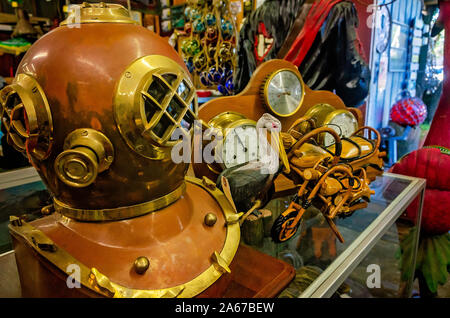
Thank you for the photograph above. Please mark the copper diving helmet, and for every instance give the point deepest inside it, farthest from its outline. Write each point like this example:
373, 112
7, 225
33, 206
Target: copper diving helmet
93, 106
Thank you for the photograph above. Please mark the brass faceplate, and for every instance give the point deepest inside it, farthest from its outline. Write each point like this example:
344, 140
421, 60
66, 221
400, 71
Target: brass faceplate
97, 13
153, 97
26, 115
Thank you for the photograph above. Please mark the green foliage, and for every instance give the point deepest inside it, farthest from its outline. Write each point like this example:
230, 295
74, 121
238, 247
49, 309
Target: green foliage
433, 260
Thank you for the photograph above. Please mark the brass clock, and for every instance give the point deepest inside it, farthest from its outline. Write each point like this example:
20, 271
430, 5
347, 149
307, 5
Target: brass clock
283, 92
240, 142
341, 120
319, 112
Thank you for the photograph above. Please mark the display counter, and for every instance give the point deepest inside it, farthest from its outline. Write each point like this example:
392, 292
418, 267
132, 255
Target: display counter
380, 242
376, 260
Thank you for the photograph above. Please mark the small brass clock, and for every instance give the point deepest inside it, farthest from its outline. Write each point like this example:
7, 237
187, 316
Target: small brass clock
283, 92
343, 122
240, 143
319, 112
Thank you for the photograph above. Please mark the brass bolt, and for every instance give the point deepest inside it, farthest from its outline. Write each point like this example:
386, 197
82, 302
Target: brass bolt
141, 264
208, 183
47, 210
15, 221
140, 148
210, 219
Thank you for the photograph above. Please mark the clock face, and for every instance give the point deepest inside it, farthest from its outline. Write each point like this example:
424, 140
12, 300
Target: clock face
284, 93
240, 145
343, 122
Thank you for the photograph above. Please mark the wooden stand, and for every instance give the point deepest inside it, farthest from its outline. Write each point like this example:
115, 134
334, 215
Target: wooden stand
253, 275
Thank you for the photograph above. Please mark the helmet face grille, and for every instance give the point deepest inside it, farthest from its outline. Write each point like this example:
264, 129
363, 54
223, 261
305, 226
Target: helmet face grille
26, 117
169, 104
155, 105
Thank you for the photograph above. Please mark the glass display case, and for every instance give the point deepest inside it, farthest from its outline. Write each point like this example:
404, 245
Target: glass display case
376, 260
378, 256
22, 193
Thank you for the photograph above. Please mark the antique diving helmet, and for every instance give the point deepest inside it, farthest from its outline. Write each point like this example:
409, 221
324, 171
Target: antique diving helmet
93, 106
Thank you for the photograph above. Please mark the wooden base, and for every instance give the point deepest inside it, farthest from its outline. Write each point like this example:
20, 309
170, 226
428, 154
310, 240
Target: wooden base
253, 275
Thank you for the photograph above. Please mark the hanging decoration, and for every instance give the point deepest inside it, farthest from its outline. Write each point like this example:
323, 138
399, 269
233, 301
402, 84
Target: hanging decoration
210, 44
409, 111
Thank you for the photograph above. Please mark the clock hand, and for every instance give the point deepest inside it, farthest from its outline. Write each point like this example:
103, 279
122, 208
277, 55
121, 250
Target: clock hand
240, 141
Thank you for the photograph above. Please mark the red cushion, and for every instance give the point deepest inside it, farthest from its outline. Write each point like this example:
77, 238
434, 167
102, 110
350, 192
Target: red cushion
434, 166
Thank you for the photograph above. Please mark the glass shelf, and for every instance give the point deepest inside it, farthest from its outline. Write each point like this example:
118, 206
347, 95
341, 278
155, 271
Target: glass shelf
373, 236
377, 235
22, 192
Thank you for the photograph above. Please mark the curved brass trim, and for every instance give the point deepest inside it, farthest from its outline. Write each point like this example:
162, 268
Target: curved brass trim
222, 120
265, 92
92, 279
121, 212
238, 123
38, 135
319, 112
97, 13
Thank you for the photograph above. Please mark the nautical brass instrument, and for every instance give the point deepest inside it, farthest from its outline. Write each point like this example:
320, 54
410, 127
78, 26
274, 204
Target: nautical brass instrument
94, 106
322, 150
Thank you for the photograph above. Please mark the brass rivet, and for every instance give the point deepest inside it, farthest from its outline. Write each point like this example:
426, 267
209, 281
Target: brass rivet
210, 219
141, 264
140, 148
128, 75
